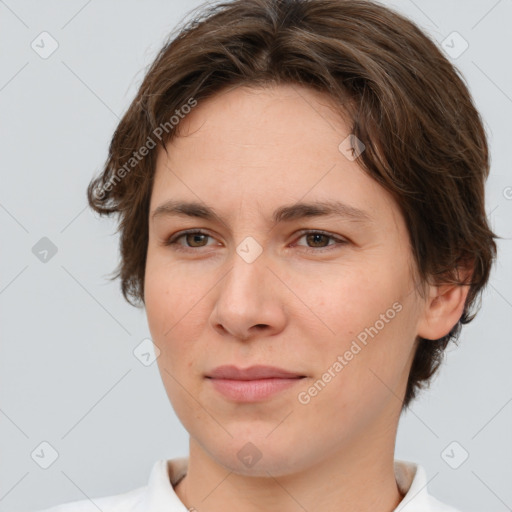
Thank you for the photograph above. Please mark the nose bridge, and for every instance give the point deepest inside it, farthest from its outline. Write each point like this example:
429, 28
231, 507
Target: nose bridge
246, 281
246, 296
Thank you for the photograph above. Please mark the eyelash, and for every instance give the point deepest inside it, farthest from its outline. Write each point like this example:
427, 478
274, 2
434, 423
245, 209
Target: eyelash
172, 241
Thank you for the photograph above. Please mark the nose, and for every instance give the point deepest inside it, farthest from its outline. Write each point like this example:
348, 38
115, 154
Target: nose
249, 300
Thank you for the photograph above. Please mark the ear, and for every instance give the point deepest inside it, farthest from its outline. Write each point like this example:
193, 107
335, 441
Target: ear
443, 308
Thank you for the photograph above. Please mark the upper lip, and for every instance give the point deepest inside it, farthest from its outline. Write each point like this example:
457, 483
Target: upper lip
252, 373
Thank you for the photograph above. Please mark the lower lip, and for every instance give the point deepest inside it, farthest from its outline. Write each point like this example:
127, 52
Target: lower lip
252, 390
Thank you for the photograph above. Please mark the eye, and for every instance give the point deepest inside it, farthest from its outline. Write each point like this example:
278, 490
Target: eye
194, 237
320, 241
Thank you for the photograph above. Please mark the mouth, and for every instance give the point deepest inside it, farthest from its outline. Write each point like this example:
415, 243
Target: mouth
252, 373
253, 384
253, 390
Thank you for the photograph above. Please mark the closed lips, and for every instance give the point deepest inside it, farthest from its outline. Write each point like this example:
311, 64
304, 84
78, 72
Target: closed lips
231, 372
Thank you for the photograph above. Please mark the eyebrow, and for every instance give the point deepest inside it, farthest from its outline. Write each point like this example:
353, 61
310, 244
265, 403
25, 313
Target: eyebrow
282, 214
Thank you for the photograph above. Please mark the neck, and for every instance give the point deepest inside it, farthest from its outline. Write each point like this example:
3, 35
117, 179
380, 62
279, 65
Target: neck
358, 477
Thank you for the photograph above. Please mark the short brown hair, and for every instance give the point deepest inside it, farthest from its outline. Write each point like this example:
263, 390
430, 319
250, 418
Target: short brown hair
425, 142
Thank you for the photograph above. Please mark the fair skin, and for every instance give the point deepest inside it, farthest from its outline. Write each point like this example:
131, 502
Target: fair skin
299, 305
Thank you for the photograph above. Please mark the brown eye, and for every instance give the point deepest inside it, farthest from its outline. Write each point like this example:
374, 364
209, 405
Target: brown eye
318, 241
194, 239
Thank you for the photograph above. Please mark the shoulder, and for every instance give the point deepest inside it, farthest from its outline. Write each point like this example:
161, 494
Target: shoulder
126, 502
158, 493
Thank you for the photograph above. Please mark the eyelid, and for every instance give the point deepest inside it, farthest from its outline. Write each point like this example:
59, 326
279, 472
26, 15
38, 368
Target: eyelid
172, 240
340, 240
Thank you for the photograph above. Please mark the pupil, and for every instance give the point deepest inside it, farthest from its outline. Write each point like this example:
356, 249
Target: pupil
316, 237
195, 237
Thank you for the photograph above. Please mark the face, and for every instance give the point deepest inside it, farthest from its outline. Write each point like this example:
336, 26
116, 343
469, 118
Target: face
266, 280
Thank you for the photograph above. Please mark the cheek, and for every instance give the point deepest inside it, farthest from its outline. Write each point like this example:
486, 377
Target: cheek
342, 299
172, 298
356, 382
371, 319
178, 305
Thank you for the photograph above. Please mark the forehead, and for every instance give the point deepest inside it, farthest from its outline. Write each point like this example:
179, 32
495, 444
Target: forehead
267, 146
246, 116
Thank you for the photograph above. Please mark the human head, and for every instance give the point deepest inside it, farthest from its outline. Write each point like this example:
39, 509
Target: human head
424, 140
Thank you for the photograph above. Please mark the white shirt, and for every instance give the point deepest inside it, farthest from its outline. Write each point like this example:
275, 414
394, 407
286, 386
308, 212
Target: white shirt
159, 496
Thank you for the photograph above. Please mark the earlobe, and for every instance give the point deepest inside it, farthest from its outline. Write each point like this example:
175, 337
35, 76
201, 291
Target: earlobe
442, 310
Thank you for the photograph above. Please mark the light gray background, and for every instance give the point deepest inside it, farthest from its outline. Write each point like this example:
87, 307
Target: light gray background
68, 373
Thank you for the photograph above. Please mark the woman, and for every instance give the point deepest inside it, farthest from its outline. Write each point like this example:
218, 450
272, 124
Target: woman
300, 187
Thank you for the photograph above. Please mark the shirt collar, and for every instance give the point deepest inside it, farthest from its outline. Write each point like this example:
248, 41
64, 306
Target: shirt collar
160, 496
411, 479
